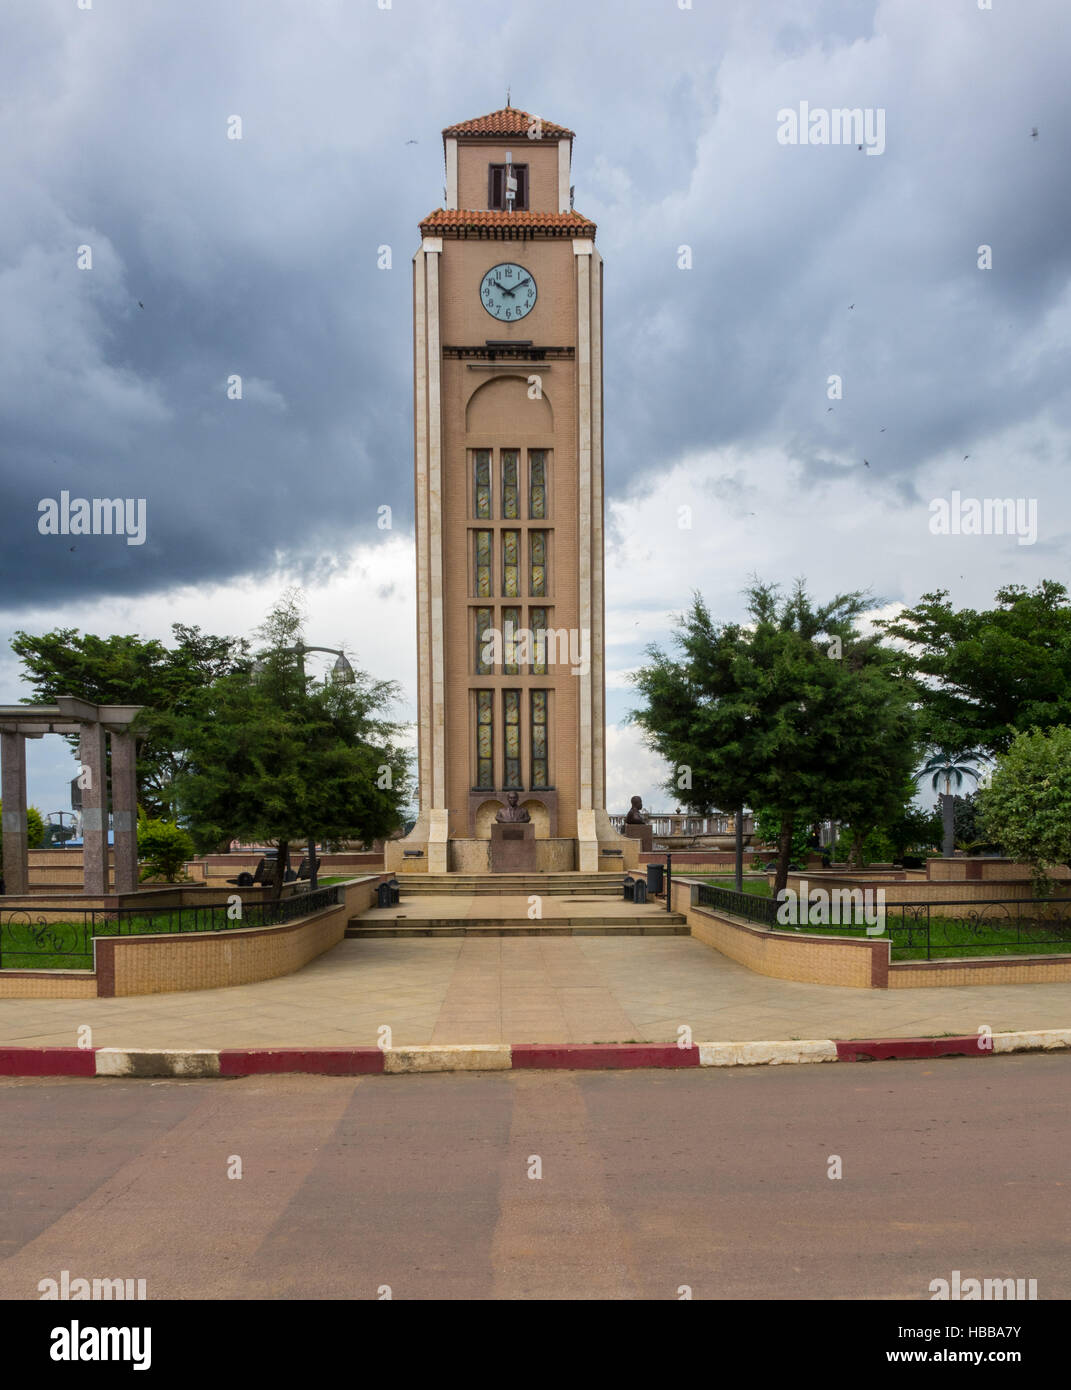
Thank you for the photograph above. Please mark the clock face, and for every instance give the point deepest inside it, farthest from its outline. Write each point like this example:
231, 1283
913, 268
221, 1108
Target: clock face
507, 292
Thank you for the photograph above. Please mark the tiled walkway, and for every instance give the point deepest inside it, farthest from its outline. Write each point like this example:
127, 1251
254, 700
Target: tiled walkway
527, 989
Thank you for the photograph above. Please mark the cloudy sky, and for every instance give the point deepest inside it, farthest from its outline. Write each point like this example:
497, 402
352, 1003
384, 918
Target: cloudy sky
213, 256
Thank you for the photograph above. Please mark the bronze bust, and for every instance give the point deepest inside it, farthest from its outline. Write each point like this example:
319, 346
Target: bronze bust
511, 813
635, 815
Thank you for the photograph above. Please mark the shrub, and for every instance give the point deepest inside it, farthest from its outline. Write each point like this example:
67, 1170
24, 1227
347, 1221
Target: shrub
163, 848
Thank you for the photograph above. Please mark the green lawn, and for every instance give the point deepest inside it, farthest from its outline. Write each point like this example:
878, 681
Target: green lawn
758, 884
946, 933
56, 945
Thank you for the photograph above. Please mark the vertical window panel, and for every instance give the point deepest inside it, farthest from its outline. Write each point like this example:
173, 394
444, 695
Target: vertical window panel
540, 746
537, 617
482, 483
537, 542
511, 493
483, 564
484, 621
511, 711
485, 739
511, 564
511, 622
537, 484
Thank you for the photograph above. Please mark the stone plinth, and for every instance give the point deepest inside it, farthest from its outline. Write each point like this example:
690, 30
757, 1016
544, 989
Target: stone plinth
513, 847
643, 833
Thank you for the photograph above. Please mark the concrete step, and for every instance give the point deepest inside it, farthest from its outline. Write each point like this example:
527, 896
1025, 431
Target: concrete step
664, 924
498, 885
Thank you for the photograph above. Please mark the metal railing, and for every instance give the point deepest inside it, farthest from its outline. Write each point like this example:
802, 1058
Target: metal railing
996, 926
37, 935
749, 905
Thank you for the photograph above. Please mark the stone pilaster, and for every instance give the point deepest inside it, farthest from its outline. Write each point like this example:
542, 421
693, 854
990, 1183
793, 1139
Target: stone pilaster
91, 755
13, 793
125, 811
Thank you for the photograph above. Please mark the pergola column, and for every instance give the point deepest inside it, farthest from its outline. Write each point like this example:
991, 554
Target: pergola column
94, 808
13, 794
124, 811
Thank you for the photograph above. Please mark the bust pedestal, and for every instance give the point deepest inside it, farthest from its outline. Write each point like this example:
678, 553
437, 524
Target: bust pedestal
643, 833
513, 847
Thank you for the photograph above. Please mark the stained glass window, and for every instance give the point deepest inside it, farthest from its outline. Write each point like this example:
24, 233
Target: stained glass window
511, 707
483, 564
485, 731
482, 470
537, 484
511, 621
538, 619
540, 753
511, 564
511, 495
537, 541
484, 621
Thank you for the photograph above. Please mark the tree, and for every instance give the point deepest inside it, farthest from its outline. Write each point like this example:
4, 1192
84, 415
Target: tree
889, 826
163, 848
707, 741
913, 829
794, 711
272, 754
768, 832
950, 769
983, 676
126, 670
1027, 805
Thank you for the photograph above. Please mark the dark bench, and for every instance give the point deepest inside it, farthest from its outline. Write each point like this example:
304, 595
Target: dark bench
250, 880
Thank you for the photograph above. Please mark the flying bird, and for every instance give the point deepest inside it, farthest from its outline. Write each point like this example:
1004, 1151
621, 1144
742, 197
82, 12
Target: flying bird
966, 457
828, 409
140, 305
1034, 133
851, 306
867, 462
412, 142
883, 429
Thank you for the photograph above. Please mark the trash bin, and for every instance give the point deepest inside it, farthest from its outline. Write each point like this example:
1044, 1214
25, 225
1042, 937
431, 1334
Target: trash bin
395, 891
639, 891
629, 889
655, 879
383, 896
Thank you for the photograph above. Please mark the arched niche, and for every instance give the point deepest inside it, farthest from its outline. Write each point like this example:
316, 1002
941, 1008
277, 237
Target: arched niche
540, 818
503, 405
485, 818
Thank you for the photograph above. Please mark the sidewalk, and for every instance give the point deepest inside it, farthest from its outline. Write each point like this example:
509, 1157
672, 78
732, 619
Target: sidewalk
579, 989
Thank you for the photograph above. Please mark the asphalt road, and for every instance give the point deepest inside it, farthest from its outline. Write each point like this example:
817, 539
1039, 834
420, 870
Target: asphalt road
650, 1181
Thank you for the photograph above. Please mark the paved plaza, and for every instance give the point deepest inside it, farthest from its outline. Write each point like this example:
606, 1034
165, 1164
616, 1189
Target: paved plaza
526, 989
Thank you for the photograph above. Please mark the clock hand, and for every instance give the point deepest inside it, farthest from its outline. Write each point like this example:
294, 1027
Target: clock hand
504, 288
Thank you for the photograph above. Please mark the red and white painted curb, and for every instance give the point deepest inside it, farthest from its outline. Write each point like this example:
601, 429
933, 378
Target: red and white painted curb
356, 1061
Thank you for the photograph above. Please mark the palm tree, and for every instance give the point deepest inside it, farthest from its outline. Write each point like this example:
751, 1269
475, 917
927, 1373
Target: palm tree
950, 768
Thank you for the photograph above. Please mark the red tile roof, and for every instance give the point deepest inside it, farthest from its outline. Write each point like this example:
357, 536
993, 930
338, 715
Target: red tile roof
510, 120
502, 223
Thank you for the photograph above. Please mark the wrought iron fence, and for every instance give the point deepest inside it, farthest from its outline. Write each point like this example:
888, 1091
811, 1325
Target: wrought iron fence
923, 930
37, 936
994, 927
749, 905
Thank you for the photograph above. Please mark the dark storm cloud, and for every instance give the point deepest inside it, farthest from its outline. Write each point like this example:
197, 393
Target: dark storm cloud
258, 257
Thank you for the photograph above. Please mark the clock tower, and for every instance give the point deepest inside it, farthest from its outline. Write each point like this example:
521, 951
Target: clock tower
507, 328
